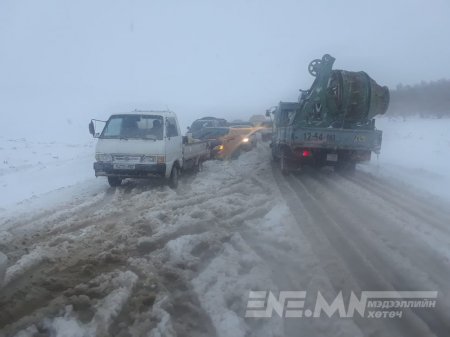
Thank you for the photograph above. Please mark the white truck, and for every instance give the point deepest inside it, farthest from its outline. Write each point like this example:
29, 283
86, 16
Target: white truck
144, 144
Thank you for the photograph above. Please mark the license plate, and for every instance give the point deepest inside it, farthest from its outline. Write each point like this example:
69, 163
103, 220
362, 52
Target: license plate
123, 166
332, 157
319, 137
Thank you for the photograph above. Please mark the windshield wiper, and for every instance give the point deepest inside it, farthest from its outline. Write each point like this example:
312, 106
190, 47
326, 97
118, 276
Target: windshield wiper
124, 138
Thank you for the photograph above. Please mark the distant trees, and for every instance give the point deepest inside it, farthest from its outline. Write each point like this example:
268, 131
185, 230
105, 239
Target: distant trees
425, 99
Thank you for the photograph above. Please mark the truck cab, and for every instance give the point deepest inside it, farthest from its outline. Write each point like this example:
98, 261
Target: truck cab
140, 144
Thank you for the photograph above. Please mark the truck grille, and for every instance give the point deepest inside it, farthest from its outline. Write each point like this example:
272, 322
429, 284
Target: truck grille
126, 159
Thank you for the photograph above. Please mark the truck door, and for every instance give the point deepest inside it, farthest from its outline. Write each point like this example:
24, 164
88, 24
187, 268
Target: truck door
173, 142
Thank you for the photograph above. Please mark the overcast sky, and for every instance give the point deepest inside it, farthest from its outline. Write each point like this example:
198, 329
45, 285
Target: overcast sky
63, 62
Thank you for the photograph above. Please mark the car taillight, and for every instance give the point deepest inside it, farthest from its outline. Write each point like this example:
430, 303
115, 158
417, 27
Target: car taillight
306, 153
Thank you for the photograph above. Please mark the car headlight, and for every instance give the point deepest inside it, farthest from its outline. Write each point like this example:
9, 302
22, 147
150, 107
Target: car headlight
105, 157
218, 148
148, 159
245, 140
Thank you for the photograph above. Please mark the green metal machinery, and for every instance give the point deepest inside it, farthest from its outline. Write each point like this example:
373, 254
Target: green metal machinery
339, 98
332, 124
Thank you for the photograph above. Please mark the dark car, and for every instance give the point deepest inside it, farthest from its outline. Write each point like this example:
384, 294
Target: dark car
215, 137
206, 122
228, 142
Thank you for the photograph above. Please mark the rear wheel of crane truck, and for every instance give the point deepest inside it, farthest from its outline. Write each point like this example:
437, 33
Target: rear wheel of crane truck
173, 179
114, 181
284, 161
275, 157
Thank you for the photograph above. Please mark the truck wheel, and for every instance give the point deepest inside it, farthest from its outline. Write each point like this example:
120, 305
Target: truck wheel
199, 166
274, 155
284, 163
114, 181
173, 180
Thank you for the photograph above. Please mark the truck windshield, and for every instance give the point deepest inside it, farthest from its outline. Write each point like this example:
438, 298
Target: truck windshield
134, 126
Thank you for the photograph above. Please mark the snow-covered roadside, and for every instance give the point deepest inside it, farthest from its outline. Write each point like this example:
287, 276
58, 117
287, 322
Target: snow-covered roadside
36, 175
415, 151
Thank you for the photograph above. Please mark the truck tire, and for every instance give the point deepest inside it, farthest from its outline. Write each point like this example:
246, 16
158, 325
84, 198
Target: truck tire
114, 181
199, 166
274, 155
173, 179
284, 162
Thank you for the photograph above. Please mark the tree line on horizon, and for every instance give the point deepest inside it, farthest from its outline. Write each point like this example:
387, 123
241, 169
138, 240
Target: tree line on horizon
426, 99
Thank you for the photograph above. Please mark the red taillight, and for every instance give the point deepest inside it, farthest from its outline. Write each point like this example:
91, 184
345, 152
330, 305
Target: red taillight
306, 153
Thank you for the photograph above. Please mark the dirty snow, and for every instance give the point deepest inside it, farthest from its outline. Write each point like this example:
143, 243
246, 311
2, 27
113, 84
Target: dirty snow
68, 325
26, 262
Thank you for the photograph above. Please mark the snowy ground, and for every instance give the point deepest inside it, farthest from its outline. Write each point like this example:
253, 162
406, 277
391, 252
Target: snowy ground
30, 169
416, 152
144, 260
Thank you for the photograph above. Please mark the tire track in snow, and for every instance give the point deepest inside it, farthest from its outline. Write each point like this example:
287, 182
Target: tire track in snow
398, 260
406, 202
348, 266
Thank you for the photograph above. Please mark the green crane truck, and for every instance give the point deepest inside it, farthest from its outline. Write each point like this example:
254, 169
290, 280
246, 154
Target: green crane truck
332, 123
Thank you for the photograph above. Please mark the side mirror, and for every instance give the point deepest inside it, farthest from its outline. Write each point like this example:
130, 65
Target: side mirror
267, 113
185, 139
189, 128
92, 128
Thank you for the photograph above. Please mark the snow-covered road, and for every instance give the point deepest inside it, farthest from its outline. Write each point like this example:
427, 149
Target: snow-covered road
88, 260
144, 260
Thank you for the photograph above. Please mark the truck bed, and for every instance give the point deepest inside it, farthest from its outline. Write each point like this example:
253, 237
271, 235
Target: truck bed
196, 149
